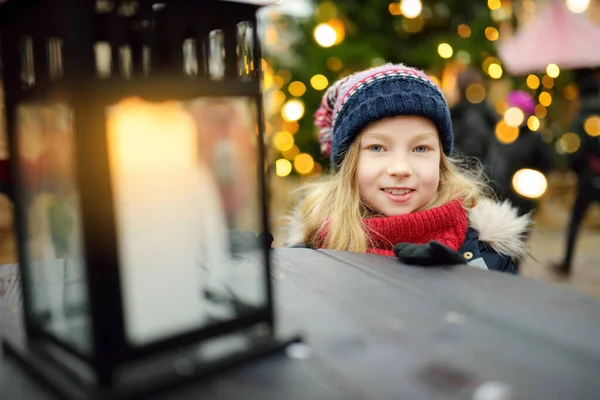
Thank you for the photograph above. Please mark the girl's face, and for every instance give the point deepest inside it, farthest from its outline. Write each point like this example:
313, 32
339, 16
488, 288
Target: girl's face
398, 168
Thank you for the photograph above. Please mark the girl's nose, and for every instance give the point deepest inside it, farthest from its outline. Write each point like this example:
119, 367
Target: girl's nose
399, 168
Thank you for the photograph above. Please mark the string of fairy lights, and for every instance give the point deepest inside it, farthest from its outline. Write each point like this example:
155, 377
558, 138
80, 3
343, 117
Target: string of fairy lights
287, 109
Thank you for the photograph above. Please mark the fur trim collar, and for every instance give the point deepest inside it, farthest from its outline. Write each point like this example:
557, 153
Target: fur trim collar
500, 227
497, 224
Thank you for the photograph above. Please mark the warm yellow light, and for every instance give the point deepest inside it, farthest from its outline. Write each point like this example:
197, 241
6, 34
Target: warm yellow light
475, 93
569, 142
276, 99
540, 111
552, 70
267, 81
291, 153
592, 125
514, 117
290, 126
506, 134
495, 71
334, 64
283, 141
413, 25
277, 82
445, 50
319, 82
501, 106
304, 163
548, 82
292, 110
545, 99
134, 121
529, 183
578, 6
411, 8
491, 33
297, 88
533, 123
394, 8
494, 4
571, 91
325, 35
283, 167
285, 75
533, 82
464, 31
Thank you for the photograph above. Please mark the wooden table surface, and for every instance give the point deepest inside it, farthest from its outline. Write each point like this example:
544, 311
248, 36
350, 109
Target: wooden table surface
377, 329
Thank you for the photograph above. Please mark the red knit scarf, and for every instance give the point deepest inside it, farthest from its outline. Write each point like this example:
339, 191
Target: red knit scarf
446, 224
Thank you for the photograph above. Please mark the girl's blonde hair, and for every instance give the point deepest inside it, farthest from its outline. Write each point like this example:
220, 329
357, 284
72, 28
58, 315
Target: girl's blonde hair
333, 212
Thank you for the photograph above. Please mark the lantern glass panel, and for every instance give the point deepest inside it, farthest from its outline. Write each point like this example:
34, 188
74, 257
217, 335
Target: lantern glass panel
54, 247
188, 213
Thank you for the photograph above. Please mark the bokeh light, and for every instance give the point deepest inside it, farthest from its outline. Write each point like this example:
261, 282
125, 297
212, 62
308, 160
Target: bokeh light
571, 91
475, 93
495, 71
506, 134
292, 110
529, 183
394, 8
304, 163
291, 153
569, 142
297, 88
325, 35
491, 33
547, 82
545, 99
533, 123
533, 82
540, 111
578, 6
283, 167
552, 70
334, 64
464, 31
283, 141
592, 125
319, 82
494, 4
411, 8
445, 50
514, 117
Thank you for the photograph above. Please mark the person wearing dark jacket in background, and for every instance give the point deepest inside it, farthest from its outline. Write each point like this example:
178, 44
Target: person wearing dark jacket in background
527, 151
585, 162
473, 123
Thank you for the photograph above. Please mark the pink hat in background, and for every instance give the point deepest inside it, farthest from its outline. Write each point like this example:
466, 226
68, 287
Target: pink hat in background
522, 100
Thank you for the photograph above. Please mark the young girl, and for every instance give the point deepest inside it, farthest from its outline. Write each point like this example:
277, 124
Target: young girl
394, 188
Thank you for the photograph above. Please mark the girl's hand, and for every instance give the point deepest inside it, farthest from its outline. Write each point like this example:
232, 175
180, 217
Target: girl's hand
427, 255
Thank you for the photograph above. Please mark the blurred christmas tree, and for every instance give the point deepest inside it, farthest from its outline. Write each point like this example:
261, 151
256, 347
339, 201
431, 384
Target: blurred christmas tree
343, 36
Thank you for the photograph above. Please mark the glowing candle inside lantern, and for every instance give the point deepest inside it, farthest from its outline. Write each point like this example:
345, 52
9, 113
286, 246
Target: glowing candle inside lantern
167, 207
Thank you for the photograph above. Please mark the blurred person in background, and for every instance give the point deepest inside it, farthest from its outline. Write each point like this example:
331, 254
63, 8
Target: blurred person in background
527, 151
473, 122
585, 162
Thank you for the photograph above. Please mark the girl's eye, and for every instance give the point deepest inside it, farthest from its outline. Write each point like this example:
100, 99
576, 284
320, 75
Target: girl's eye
376, 148
421, 149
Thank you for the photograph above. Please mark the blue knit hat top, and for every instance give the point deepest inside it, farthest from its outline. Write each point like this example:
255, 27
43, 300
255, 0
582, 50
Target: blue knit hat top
354, 102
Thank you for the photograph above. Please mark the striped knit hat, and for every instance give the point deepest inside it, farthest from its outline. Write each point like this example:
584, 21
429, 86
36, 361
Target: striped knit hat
354, 102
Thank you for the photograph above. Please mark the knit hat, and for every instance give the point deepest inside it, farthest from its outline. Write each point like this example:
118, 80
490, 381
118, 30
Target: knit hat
354, 102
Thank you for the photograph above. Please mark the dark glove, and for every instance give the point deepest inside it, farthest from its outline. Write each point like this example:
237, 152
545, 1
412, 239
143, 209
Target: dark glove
427, 255
246, 240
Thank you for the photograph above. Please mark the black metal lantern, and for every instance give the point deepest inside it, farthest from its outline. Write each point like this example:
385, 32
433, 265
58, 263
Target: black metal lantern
136, 137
